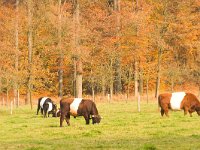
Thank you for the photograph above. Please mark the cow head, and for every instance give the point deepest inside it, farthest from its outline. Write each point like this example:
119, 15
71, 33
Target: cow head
54, 110
198, 110
96, 119
58, 112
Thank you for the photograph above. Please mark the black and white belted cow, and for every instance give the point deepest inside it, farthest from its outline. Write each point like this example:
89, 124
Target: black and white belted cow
47, 107
78, 107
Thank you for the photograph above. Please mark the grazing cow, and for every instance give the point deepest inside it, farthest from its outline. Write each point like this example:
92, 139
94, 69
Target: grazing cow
177, 101
78, 107
48, 106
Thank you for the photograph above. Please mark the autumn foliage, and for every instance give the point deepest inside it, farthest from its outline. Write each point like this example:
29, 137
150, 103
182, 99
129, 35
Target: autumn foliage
112, 36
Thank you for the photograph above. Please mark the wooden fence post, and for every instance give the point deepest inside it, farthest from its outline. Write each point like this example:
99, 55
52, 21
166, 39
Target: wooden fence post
3, 101
109, 98
138, 102
11, 107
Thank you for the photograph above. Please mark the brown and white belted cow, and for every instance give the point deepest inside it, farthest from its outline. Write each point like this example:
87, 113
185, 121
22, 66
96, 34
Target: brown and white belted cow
78, 107
177, 101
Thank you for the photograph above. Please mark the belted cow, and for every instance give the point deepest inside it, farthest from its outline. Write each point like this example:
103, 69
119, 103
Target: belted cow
177, 101
78, 107
48, 106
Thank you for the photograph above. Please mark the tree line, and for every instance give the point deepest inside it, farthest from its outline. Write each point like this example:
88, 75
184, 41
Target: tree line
99, 46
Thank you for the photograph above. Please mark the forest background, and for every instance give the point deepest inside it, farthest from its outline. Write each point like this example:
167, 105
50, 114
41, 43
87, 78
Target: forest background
98, 47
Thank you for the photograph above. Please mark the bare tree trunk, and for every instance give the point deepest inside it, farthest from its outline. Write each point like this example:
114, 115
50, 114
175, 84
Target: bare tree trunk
30, 40
199, 92
103, 85
76, 20
7, 97
141, 82
172, 83
147, 90
129, 81
158, 73
60, 70
118, 87
111, 91
111, 80
16, 88
136, 79
74, 80
93, 94
79, 79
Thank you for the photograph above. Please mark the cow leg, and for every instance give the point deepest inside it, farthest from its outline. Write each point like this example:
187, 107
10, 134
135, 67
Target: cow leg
191, 111
64, 114
166, 110
45, 114
62, 117
42, 111
185, 110
38, 109
190, 114
87, 118
162, 112
67, 118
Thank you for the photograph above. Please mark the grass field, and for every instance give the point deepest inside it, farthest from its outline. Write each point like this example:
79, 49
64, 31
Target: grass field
122, 127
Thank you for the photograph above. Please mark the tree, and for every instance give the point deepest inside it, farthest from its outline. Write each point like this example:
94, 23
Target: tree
30, 52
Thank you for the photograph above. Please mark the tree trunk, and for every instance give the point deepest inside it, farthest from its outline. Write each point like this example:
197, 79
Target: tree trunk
79, 79
118, 83
7, 97
141, 82
103, 85
129, 81
158, 73
74, 80
199, 92
147, 90
30, 40
111, 79
60, 70
172, 83
93, 94
77, 53
17, 51
136, 79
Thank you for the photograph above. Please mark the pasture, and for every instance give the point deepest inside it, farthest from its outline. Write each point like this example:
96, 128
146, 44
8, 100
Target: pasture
122, 127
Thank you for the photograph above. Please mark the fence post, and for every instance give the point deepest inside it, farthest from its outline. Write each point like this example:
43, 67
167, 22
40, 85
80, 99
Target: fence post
138, 102
14, 102
18, 98
3, 101
11, 107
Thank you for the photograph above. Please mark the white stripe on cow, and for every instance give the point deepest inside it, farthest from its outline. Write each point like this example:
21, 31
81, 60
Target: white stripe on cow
176, 100
50, 107
74, 106
42, 101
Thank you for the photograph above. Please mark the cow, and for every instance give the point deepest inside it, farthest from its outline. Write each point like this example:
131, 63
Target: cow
78, 107
178, 101
48, 106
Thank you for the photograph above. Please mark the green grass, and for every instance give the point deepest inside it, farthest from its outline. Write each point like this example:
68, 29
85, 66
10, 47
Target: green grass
122, 127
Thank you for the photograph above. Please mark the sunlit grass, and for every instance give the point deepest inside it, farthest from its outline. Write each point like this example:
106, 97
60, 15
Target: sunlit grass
122, 127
